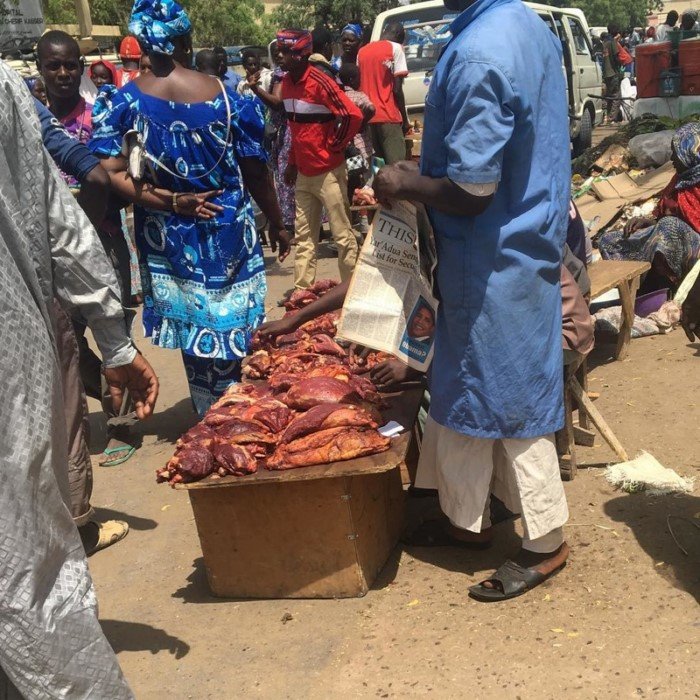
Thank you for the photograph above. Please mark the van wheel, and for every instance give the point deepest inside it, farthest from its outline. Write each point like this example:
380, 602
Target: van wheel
585, 135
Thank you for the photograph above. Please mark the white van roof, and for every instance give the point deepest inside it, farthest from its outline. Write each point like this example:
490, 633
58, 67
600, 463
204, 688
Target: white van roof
405, 9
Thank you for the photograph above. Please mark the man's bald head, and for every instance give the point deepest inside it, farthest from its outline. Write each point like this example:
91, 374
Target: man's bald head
58, 39
207, 62
394, 31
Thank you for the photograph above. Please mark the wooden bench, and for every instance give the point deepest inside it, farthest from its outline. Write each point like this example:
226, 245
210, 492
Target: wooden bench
623, 275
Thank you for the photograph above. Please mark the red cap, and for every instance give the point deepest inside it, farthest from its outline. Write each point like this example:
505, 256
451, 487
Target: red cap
129, 48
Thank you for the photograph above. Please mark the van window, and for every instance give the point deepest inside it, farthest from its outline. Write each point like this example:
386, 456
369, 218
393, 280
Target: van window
547, 19
583, 48
427, 32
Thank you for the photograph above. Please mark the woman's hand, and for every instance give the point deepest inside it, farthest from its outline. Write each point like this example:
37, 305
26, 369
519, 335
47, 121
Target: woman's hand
358, 354
253, 80
290, 175
198, 204
392, 372
271, 329
637, 224
282, 238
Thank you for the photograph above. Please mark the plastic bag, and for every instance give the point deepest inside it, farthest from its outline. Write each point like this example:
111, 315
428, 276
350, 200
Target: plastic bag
652, 149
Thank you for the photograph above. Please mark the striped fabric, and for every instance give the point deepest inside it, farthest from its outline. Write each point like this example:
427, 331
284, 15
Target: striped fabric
322, 120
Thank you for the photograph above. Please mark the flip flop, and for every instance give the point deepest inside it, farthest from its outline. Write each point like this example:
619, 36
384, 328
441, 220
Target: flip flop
432, 533
514, 581
129, 449
109, 532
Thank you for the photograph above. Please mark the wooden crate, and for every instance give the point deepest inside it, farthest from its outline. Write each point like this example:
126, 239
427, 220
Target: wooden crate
315, 532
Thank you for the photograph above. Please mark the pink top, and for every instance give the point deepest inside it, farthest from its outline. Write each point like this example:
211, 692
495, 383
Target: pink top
78, 124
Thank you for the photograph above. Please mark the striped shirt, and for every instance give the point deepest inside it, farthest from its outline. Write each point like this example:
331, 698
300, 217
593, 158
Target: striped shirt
322, 119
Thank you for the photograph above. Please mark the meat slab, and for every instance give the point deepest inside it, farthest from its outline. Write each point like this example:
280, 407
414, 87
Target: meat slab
325, 446
333, 415
308, 393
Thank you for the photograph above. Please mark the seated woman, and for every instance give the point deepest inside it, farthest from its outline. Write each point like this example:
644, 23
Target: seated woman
669, 241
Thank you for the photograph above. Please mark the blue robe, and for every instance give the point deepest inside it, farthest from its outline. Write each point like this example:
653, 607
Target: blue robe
497, 112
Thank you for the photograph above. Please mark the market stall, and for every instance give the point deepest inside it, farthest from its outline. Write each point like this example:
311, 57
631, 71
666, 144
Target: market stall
324, 531
295, 475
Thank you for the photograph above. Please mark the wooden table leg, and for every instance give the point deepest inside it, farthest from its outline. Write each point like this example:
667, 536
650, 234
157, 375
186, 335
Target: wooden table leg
582, 374
565, 437
598, 420
628, 294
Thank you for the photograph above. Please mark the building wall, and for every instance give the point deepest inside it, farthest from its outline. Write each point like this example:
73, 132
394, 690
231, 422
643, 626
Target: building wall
680, 6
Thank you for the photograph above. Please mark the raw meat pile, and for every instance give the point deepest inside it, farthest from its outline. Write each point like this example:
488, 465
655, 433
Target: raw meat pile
311, 406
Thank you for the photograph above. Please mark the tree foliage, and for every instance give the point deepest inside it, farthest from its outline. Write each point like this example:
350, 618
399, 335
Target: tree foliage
224, 22
231, 22
227, 22
624, 13
332, 13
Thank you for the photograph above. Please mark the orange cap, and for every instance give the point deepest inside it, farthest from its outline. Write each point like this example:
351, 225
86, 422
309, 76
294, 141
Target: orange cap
129, 48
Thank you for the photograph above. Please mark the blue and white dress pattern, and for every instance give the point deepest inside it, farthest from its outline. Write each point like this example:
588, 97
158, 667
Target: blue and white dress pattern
204, 281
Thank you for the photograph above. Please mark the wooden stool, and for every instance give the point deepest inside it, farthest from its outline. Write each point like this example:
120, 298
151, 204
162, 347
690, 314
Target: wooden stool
576, 391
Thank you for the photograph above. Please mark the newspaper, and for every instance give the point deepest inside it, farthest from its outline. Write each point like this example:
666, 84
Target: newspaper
390, 304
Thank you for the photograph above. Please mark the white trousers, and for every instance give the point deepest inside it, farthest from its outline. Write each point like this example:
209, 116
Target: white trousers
522, 472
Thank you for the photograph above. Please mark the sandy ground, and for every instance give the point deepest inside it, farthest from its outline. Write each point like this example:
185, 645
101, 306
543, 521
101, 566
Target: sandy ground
621, 621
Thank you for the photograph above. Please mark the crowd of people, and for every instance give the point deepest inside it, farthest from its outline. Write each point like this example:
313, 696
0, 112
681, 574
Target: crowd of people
670, 238
189, 144
616, 51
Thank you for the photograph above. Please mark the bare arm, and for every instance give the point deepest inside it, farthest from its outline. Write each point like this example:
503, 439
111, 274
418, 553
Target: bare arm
401, 102
151, 197
331, 301
403, 181
258, 179
273, 99
94, 194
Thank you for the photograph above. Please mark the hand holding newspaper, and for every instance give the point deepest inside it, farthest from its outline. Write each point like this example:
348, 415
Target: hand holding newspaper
390, 304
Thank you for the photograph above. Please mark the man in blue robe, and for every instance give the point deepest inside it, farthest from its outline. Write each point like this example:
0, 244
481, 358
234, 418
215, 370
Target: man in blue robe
495, 177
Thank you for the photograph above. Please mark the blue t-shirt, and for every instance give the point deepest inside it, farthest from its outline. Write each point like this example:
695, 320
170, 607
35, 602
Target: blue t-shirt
497, 112
70, 155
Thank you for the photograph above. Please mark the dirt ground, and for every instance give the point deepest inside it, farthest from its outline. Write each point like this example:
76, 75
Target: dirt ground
621, 621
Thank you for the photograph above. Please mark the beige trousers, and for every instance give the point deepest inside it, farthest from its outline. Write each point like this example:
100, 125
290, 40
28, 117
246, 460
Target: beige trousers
328, 190
522, 472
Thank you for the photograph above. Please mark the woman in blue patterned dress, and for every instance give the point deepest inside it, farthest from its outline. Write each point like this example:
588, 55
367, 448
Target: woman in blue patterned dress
204, 279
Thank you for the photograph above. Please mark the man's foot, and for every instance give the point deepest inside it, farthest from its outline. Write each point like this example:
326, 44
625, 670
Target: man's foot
442, 533
97, 536
520, 575
117, 452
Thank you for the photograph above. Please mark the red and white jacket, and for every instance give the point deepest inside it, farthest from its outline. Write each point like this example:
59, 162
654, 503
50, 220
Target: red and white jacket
322, 119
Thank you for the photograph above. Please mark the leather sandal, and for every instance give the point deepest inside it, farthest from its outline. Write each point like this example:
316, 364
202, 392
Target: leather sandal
108, 533
511, 580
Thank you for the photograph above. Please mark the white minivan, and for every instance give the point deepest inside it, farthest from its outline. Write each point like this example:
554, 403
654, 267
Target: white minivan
427, 27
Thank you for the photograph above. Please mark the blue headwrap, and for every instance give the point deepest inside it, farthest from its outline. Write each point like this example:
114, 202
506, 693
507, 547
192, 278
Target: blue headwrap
355, 29
156, 22
686, 144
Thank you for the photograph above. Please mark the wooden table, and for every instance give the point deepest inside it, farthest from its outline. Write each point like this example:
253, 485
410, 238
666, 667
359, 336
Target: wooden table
313, 532
625, 276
